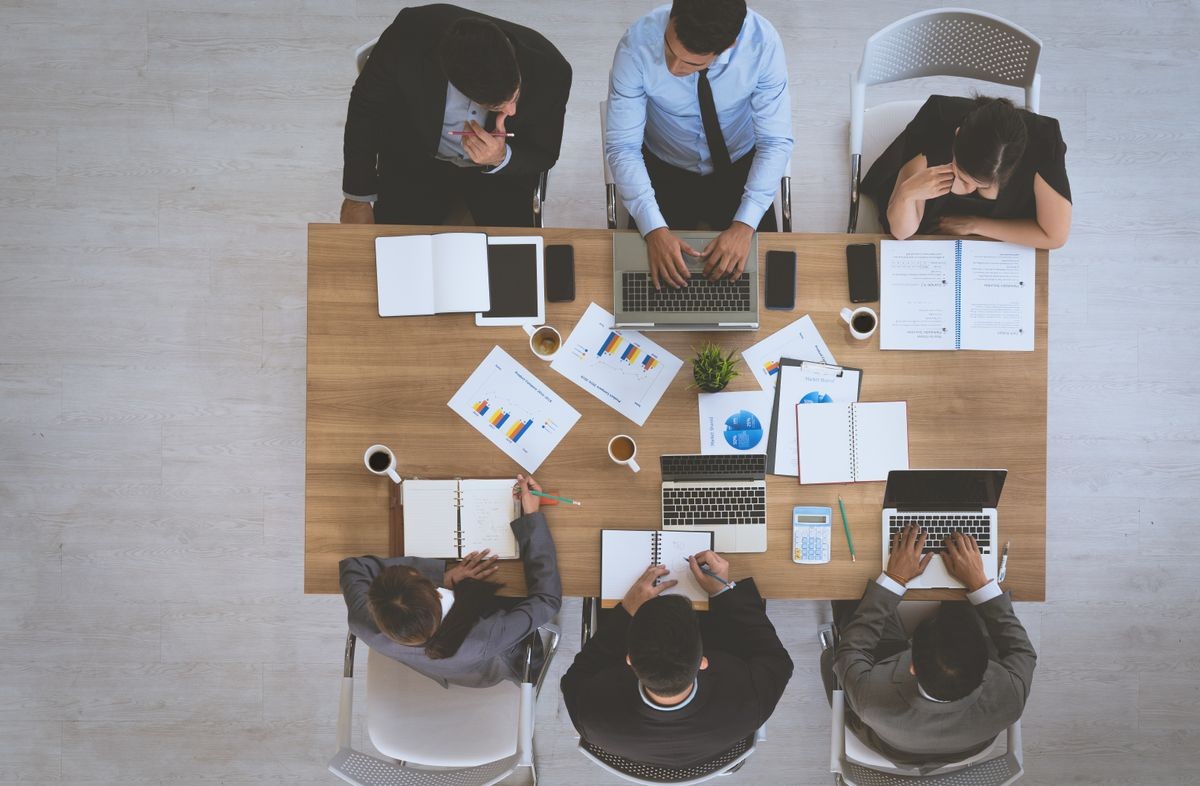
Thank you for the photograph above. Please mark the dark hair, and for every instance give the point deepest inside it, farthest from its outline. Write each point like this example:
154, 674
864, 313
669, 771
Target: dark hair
404, 605
473, 599
991, 140
480, 61
949, 653
708, 26
664, 644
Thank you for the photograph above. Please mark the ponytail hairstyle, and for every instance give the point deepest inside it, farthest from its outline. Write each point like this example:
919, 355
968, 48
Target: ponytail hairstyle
991, 140
404, 605
473, 600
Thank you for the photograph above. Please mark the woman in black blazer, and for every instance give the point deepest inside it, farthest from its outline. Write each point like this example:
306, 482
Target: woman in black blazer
976, 166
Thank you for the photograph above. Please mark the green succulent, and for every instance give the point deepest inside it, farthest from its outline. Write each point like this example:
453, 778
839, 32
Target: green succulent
712, 368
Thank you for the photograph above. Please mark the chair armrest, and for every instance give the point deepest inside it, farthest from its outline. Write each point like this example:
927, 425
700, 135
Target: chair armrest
837, 734
785, 202
589, 605
346, 701
539, 198
1014, 742
610, 204
855, 171
555, 634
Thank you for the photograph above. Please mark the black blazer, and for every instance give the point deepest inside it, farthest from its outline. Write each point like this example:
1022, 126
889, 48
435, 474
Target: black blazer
748, 668
397, 104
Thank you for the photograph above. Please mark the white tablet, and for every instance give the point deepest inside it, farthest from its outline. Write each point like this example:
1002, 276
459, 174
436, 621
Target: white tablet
516, 281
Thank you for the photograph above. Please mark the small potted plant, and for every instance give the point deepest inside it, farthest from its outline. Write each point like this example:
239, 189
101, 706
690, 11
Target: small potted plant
712, 369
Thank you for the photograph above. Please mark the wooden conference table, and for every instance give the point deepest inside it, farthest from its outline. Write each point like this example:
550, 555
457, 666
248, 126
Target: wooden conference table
388, 380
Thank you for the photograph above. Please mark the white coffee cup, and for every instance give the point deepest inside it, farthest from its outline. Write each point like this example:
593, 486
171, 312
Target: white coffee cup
544, 341
619, 442
381, 450
858, 318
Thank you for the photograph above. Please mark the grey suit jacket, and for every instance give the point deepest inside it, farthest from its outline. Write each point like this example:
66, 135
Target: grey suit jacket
906, 726
492, 651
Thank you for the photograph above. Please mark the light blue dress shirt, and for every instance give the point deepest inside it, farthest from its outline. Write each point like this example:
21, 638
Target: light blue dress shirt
646, 104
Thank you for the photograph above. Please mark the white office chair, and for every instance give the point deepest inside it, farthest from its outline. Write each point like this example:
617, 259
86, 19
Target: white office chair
618, 216
725, 763
439, 736
855, 763
459, 214
940, 42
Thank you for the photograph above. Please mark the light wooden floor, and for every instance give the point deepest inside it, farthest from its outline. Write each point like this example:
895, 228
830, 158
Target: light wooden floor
158, 162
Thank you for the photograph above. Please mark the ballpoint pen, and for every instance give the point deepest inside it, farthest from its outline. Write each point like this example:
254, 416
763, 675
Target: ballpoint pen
1003, 562
846, 526
501, 134
707, 571
537, 493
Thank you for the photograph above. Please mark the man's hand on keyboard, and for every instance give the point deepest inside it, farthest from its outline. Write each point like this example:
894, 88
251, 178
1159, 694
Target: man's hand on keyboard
906, 562
665, 252
964, 562
726, 254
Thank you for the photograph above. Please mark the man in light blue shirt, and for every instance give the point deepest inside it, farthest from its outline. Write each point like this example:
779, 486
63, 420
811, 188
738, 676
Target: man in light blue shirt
699, 130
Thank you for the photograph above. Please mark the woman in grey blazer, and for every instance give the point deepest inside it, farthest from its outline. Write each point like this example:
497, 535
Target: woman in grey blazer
448, 624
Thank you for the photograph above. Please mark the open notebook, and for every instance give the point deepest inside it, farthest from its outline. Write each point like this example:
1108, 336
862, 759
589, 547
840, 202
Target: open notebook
625, 555
447, 519
851, 442
432, 274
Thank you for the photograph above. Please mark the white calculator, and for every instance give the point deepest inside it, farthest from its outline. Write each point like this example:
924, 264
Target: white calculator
812, 531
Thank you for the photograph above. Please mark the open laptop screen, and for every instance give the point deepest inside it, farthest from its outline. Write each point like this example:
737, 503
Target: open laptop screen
944, 489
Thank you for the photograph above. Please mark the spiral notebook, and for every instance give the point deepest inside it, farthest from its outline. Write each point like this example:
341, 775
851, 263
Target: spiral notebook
625, 555
851, 442
447, 519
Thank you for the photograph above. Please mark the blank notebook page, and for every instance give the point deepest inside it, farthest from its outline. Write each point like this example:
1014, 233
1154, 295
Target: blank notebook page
823, 434
430, 518
404, 275
882, 436
488, 510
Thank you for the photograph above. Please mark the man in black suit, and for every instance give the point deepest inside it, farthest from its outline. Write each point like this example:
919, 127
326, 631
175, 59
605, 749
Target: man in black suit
659, 684
438, 69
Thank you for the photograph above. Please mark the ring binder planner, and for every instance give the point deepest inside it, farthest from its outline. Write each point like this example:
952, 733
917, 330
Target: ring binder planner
851, 443
447, 519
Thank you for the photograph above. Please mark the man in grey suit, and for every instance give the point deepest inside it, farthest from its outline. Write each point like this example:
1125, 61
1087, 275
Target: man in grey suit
447, 624
963, 680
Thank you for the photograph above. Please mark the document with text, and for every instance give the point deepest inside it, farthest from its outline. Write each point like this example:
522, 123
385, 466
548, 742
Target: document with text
957, 294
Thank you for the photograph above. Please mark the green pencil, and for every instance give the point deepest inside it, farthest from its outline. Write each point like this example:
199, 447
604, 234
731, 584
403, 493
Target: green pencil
846, 526
537, 493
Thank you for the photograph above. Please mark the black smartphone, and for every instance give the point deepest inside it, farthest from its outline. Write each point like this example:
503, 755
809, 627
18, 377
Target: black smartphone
861, 271
560, 274
781, 280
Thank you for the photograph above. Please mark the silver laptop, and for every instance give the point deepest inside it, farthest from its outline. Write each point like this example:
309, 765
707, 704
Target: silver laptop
941, 501
701, 305
722, 494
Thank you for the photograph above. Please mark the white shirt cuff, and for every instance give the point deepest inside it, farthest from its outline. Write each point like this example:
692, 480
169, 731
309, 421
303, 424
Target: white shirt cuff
357, 198
985, 593
502, 164
890, 584
731, 585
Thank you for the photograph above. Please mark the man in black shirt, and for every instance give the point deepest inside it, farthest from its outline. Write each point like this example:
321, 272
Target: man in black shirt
659, 684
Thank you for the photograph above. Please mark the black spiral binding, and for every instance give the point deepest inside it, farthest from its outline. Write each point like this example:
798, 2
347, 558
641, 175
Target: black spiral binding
853, 445
656, 550
458, 501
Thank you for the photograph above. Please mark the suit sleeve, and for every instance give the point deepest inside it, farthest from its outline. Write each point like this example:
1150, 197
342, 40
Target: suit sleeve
741, 617
1015, 651
606, 648
376, 97
853, 658
537, 147
541, 579
356, 574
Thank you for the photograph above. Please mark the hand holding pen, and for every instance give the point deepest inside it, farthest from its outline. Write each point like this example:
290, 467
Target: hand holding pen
711, 571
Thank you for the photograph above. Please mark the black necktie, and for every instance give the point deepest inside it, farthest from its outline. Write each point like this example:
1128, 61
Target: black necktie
712, 126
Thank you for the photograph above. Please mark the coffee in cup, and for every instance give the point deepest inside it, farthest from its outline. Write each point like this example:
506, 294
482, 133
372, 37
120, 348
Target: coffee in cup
622, 449
380, 460
545, 341
862, 321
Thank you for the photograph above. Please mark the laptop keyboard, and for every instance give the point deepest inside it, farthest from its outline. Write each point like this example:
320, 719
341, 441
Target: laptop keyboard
938, 527
710, 505
734, 466
638, 294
